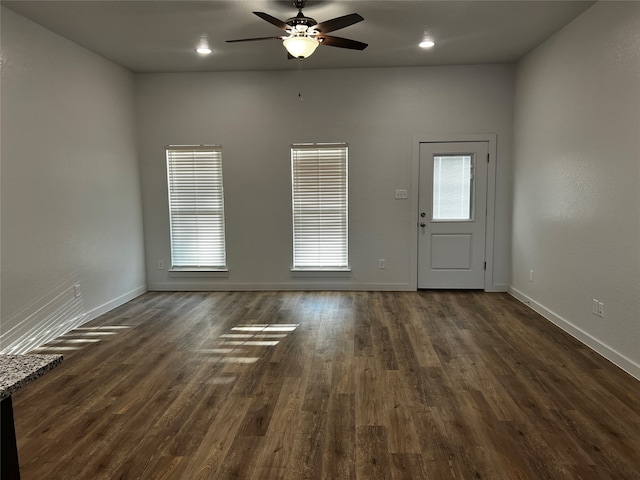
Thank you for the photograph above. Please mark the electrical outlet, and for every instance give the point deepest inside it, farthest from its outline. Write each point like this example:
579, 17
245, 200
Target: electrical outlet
531, 275
597, 308
382, 263
402, 194
76, 290
160, 264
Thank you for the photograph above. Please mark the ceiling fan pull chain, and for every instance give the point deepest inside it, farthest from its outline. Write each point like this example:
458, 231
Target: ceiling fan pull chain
300, 79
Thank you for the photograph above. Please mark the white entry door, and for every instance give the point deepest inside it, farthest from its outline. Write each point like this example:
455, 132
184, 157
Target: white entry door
452, 214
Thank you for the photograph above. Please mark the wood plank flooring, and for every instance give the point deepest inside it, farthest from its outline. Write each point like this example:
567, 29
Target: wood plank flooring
327, 385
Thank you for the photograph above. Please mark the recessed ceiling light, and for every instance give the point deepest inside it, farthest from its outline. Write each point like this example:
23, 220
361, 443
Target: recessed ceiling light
426, 43
203, 50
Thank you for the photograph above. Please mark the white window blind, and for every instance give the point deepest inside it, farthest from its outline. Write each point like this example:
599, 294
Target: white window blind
196, 207
320, 206
452, 182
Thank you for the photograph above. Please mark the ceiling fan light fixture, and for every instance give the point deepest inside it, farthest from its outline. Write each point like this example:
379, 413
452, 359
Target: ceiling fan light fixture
426, 43
300, 46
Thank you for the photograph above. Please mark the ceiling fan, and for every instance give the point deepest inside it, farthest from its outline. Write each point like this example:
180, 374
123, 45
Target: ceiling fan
304, 34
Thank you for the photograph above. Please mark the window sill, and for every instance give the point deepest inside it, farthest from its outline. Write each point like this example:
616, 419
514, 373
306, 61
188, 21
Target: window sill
199, 272
317, 272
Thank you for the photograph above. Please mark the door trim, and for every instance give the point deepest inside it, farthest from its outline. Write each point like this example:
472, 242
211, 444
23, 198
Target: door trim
491, 198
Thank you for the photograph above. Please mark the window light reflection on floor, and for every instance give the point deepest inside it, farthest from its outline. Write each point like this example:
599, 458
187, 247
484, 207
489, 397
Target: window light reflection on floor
282, 327
250, 336
92, 333
73, 340
250, 328
104, 327
257, 343
253, 335
243, 337
54, 349
80, 337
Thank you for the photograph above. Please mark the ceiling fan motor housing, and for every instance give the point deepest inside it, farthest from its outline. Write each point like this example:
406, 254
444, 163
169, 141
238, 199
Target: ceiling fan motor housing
300, 19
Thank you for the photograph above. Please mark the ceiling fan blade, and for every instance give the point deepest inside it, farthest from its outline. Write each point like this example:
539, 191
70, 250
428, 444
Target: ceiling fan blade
338, 23
272, 20
341, 42
254, 39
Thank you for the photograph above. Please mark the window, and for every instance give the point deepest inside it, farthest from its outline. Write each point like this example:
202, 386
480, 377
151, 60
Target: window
320, 201
196, 207
452, 182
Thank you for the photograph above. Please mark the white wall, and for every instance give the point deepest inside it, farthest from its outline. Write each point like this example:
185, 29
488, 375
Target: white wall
256, 116
576, 216
71, 207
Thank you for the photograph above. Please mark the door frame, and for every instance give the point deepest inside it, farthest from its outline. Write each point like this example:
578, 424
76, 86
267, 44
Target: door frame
491, 139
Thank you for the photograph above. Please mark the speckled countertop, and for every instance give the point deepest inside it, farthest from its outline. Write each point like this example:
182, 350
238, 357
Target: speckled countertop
16, 371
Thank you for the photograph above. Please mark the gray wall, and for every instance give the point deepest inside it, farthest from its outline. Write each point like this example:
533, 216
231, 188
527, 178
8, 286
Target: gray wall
70, 195
576, 215
256, 116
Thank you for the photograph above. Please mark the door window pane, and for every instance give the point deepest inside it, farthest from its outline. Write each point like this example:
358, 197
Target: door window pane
452, 176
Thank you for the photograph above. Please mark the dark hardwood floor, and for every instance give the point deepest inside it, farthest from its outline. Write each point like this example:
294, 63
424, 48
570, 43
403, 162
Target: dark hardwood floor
327, 385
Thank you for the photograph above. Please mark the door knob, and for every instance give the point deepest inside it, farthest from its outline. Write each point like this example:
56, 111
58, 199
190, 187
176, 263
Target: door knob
422, 224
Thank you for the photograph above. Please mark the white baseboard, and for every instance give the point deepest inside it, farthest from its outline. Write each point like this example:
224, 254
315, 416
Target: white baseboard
226, 287
625, 363
116, 302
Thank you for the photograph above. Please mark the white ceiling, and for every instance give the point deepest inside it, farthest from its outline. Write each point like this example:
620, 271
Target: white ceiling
160, 36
